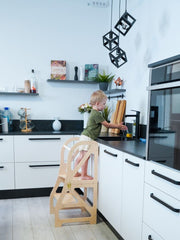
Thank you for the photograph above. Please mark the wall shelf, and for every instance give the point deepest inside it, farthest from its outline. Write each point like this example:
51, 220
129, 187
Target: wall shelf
72, 81
19, 93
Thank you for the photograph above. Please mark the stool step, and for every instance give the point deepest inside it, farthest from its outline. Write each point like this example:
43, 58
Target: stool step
68, 198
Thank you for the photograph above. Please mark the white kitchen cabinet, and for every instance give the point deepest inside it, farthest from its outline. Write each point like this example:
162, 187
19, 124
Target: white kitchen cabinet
162, 200
149, 234
132, 197
37, 159
36, 174
6, 149
6, 163
35, 148
6, 176
110, 185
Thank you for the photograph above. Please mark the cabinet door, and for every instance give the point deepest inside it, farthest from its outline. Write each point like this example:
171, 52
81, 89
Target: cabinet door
6, 149
132, 197
35, 148
149, 234
110, 185
163, 178
6, 176
36, 175
162, 213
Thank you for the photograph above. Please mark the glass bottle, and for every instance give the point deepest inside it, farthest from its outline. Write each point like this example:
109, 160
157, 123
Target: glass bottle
33, 82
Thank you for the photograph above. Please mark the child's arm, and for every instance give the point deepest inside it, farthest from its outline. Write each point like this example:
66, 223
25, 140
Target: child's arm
114, 125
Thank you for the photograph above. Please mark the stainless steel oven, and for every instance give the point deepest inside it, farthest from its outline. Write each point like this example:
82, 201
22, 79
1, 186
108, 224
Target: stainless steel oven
163, 130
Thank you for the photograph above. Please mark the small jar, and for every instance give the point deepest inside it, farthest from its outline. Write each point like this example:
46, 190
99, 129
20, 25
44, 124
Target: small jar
27, 86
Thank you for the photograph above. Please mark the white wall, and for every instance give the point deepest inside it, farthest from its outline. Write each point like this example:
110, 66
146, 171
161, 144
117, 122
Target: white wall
35, 32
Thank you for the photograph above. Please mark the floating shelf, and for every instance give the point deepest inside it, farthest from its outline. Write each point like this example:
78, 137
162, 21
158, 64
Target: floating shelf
19, 93
72, 81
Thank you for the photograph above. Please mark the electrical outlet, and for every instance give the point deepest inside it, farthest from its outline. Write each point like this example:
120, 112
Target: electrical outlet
98, 3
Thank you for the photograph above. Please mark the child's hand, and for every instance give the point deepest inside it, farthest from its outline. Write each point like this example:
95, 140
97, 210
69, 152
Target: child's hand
123, 127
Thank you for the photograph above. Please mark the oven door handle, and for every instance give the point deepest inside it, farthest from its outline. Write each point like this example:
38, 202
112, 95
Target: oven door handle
165, 178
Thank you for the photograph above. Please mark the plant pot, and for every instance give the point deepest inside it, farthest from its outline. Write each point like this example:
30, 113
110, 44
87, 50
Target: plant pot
103, 86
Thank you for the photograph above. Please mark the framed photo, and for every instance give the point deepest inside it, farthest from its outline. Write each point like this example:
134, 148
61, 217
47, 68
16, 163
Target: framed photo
58, 69
91, 71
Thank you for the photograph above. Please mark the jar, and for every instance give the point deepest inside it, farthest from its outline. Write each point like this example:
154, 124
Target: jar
27, 86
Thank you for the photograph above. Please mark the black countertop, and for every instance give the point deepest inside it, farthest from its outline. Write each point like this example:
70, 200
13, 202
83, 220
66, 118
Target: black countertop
134, 147
70, 132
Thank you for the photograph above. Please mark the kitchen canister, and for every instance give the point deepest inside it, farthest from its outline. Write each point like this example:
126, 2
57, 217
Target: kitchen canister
56, 125
27, 86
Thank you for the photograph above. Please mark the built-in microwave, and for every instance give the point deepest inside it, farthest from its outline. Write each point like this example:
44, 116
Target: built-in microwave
163, 130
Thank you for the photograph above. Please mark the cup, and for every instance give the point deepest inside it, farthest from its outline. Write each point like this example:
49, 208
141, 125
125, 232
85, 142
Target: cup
27, 86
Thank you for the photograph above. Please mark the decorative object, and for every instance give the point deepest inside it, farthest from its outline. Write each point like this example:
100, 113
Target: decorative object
104, 80
118, 57
111, 39
85, 107
76, 75
125, 22
56, 125
118, 82
58, 70
86, 116
91, 71
25, 123
81, 73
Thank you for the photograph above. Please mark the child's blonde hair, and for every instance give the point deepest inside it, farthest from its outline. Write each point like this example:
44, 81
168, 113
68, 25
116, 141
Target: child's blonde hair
97, 96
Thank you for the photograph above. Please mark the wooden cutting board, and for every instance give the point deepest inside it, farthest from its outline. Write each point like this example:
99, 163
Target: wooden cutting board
114, 115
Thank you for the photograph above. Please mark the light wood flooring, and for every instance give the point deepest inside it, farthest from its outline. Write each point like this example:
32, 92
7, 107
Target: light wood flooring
29, 219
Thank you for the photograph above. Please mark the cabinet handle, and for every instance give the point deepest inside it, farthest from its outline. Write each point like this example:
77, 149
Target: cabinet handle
112, 154
165, 204
132, 163
35, 139
47, 165
165, 178
1, 166
150, 238
1, 139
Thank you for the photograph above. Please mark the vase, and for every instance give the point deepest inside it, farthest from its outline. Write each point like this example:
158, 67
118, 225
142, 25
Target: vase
103, 86
104, 129
86, 116
56, 125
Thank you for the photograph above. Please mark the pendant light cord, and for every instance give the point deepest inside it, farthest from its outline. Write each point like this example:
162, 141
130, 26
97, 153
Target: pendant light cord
111, 13
125, 5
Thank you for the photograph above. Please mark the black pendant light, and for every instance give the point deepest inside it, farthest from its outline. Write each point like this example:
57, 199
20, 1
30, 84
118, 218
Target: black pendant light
118, 55
125, 22
111, 39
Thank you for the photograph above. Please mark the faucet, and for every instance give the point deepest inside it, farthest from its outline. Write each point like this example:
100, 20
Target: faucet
137, 116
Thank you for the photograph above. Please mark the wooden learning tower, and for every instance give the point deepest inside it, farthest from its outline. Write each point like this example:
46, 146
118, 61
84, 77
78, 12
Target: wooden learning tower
69, 198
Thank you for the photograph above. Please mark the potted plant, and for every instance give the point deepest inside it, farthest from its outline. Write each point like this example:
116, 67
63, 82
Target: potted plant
104, 80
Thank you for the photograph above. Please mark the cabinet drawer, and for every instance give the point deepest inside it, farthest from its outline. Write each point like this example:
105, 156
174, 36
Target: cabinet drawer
163, 178
38, 148
6, 176
36, 175
6, 149
162, 213
149, 234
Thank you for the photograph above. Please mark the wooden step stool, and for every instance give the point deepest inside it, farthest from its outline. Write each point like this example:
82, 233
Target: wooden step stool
69, 198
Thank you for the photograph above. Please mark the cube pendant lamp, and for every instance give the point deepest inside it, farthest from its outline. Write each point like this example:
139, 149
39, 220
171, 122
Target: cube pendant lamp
111, 40
125, 22
118, 57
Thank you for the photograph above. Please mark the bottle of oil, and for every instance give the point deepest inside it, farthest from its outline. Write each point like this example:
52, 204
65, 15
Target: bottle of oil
33, 82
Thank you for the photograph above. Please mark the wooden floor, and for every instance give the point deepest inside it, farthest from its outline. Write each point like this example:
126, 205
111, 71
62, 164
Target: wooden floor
29, 219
